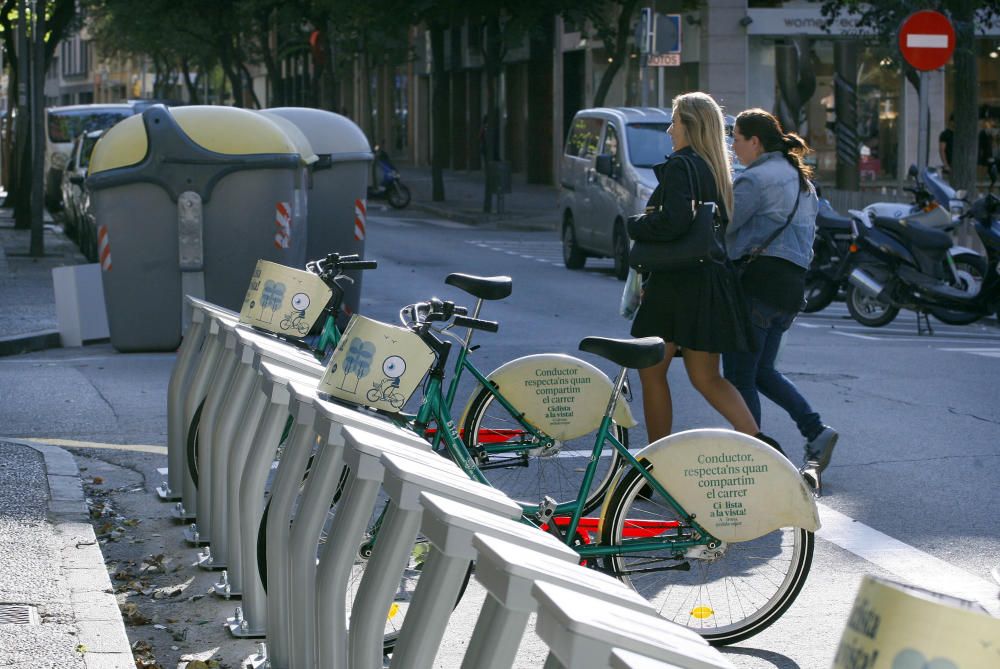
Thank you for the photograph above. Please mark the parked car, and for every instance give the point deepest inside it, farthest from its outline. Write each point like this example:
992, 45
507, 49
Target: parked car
606, 175
74, 189
63, 125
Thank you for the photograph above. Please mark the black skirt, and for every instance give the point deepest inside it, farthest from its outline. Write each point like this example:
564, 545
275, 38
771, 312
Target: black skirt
702, 309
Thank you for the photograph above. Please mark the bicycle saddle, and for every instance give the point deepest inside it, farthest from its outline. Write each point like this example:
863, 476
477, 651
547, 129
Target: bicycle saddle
631, 353
483, 287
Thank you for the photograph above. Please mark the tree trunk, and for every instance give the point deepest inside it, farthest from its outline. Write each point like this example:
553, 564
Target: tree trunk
191, 86
439, 112
618, 50
493, 65
963, 167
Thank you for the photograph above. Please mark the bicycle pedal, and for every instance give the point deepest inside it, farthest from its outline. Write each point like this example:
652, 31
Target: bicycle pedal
811, 475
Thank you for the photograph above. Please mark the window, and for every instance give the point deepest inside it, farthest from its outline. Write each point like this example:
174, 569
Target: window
583, 137
610, 147
648, 143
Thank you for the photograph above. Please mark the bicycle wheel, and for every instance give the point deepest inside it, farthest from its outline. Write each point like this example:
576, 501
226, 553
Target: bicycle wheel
514, 461
725, 599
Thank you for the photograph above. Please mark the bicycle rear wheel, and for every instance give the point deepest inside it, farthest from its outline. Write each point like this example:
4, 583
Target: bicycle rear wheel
514, 461
725, 599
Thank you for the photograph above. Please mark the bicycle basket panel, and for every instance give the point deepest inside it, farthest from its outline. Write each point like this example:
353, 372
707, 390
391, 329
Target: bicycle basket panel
377, 365
284, 301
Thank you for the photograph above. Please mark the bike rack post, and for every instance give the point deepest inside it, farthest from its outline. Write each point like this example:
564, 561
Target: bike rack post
450, 526
187, 356
405, 479
284, 492
582, 630
274, 385
201, 533
187, 508
264, 348
229, 421
316, 500
362, 454
507, 571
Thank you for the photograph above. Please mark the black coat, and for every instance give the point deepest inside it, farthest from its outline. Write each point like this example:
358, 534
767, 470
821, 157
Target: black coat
669, 212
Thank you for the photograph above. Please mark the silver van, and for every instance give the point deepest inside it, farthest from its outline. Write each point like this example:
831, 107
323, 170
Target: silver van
606, 175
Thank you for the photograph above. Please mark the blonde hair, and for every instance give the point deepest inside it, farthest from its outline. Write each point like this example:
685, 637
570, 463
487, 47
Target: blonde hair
705, 129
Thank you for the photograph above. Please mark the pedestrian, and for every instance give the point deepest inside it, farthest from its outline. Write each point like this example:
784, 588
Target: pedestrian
945, 141
698, 311
771, 233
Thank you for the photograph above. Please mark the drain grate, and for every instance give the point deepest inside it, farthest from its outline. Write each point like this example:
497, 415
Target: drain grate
18, 614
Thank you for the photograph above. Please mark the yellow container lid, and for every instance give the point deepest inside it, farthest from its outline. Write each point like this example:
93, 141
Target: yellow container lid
223, 130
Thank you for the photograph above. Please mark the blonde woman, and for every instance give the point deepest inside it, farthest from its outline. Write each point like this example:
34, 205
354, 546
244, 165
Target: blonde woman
699, 311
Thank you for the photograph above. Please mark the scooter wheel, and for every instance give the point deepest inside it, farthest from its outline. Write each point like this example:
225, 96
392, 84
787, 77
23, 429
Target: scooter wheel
867, 310
399, 195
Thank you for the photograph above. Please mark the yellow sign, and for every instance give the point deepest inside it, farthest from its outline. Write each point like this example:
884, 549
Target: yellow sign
896, 626
283, 300
376, 365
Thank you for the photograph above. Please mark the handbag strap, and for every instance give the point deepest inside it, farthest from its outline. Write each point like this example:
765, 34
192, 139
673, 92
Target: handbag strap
694, 183
750, 257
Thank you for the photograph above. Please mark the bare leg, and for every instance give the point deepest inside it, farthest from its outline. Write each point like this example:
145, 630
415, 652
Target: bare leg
703, 370
656, 403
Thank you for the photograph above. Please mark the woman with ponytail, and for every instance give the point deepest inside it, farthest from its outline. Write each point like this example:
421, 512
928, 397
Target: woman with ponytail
770, 235
698, 311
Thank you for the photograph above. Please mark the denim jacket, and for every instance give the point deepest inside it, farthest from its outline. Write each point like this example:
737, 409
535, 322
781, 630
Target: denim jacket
763, 197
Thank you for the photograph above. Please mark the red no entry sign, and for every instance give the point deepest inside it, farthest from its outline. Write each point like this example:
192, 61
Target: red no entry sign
926, 40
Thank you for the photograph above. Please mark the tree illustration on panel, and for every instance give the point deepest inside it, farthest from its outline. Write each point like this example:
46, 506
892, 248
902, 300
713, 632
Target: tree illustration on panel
357, 363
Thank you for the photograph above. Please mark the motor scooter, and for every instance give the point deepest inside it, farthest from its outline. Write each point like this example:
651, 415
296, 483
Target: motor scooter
389, 186
915, 267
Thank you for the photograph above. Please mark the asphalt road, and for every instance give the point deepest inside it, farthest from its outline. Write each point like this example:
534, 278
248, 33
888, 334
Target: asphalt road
910, 494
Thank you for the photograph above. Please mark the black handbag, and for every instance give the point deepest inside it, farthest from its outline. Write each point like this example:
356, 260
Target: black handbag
702, 243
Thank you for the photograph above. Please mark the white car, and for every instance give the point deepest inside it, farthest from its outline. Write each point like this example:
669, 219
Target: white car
75, 196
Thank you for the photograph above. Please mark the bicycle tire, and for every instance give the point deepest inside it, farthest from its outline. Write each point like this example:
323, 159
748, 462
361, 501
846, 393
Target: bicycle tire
192, 446
723, 608
552, 475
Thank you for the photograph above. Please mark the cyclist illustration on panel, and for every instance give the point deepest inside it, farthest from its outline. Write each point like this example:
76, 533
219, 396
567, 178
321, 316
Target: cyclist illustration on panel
295, 319
357, 363
387, 390
270, 300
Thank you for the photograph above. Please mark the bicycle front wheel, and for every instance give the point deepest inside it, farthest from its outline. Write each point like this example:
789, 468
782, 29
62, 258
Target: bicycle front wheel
515, 461
725, 599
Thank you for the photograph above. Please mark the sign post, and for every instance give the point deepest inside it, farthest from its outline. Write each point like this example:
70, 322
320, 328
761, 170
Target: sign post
926, 41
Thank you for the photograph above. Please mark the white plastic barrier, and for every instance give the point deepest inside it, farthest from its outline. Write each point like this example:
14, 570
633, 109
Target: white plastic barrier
582, 631
623, 659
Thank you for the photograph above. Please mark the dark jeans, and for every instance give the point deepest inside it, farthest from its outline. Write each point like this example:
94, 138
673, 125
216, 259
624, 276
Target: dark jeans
754, 371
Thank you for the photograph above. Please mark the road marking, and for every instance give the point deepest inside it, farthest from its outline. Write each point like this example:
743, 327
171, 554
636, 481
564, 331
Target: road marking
856, 336
905, 561
987, 352
54, 362
73, 443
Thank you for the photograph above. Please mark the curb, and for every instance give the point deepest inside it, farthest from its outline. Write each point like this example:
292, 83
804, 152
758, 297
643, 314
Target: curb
95, 608
38, 341
513, 220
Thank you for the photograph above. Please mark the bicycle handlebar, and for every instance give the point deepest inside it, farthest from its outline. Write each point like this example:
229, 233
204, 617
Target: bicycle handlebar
476, 324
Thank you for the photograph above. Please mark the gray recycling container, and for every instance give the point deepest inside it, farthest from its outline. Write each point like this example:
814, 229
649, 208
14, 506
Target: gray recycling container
186, 201
337, 200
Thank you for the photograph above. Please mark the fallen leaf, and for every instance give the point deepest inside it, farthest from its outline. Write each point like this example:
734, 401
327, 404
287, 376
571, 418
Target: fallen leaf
97, 480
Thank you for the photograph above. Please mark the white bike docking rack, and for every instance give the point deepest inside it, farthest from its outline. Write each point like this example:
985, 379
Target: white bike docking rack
258, 404
405, 479
200, 533
583, 631
623, 659
508, 571
225, 422
450, 526
297, 587
201, 378
363, 454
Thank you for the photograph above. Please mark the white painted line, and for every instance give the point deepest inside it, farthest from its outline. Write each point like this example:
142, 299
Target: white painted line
57, 362
857, 336
73, 443
904, 561
918, 41
808, 325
